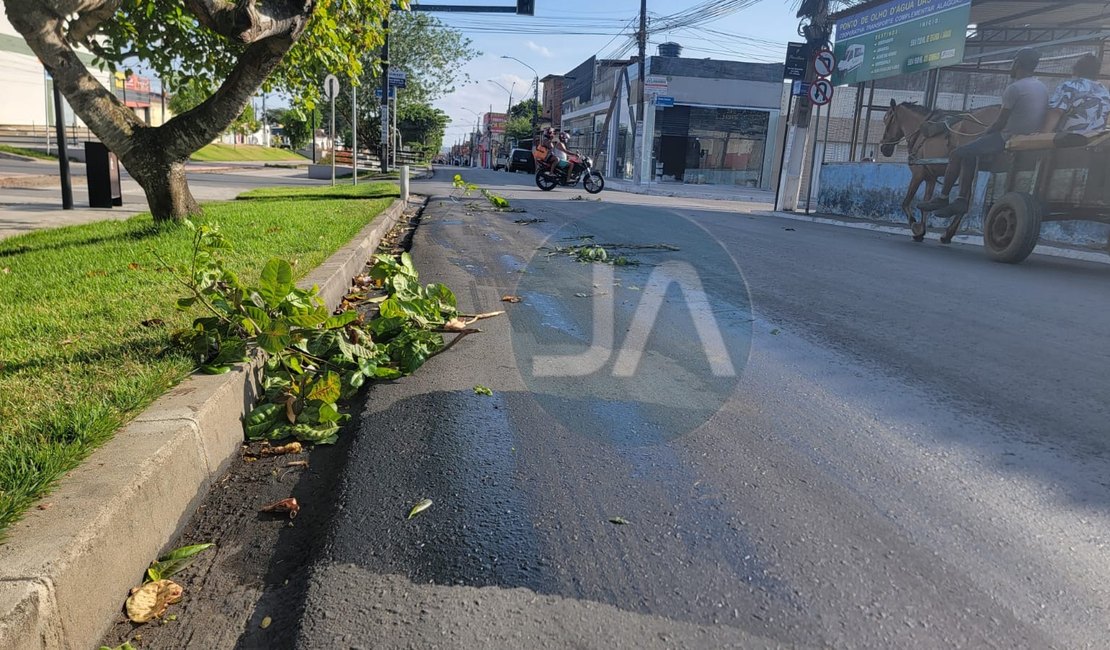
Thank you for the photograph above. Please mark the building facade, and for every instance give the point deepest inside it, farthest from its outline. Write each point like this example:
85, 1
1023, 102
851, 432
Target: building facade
706, 121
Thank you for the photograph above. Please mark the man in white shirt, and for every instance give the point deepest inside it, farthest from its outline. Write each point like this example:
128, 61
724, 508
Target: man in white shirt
1024, 107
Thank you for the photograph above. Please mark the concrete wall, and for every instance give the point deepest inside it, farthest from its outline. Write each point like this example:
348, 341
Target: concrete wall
874, 191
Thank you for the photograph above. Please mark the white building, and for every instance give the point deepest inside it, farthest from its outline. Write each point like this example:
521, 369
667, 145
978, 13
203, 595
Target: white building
26, 92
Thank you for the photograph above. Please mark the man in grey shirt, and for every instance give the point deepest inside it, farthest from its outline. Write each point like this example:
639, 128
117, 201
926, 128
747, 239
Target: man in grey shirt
1024, 107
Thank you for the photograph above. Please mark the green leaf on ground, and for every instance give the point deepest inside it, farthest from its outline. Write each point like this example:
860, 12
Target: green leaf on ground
420, 507
482, 390
174, 562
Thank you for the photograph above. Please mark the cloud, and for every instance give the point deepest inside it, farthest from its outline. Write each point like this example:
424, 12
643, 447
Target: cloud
539, 49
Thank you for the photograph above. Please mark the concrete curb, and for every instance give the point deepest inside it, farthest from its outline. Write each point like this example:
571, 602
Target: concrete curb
65, 569
972, 240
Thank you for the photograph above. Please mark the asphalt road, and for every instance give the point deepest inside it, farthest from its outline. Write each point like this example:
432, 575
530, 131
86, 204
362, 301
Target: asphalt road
911, 452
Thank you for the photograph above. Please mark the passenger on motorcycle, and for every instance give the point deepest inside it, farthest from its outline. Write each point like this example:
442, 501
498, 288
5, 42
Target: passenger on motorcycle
562, 152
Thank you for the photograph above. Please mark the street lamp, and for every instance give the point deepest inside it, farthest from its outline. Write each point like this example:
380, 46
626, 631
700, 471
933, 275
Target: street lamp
536, 97
509, 110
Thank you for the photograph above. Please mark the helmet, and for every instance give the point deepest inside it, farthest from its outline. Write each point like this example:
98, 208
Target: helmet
564, 136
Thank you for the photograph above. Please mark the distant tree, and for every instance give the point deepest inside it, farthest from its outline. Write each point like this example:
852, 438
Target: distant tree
519, 128
524, 109
422, 127
247, 122
432, 55
296, 124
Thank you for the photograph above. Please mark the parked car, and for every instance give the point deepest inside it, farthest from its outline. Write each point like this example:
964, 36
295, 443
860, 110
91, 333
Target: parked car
522, 160
501, 162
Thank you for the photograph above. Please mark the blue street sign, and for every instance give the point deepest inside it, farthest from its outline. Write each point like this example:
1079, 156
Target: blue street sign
664, 101
801, 88
392, 92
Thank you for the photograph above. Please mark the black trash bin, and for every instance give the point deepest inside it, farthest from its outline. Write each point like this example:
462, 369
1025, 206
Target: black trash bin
102, 169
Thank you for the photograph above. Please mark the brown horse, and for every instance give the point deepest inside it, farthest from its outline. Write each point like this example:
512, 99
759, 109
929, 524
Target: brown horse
931, 135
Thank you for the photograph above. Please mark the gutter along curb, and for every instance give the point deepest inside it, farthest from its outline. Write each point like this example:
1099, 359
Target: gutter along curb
65, 569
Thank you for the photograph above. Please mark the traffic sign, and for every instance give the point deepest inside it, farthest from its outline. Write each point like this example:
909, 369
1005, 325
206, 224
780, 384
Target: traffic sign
331, 87
821, 92
824, 62
797, 58
398, 78
392, 92
664, 101
800, 88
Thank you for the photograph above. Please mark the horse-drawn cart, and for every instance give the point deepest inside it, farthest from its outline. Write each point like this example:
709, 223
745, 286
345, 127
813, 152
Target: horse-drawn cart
1045, 177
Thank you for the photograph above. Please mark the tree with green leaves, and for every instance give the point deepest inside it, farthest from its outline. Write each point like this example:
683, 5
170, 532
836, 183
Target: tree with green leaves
422, 127
432, 55
525, 109
296, 124
242, 46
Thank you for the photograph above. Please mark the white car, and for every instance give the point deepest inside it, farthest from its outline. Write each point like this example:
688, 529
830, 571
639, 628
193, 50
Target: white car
853, 58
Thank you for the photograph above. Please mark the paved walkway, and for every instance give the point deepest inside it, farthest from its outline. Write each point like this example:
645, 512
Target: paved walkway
23, 209
712, 192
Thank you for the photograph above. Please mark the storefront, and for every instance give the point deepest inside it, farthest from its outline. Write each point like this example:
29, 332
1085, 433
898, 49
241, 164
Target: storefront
710, 145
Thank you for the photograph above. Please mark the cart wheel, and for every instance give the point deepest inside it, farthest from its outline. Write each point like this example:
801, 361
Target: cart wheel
1012, 228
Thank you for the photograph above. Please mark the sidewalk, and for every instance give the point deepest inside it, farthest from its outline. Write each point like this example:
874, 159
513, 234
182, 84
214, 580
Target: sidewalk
711, 192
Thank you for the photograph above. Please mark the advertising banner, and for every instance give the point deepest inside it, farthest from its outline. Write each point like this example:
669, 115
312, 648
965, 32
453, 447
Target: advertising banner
900, 37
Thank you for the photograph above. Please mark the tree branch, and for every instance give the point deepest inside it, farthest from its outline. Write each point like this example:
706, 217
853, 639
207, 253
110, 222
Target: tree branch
193, 129
246, 22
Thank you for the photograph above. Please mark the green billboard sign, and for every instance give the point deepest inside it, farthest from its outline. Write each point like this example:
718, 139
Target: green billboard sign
900, 37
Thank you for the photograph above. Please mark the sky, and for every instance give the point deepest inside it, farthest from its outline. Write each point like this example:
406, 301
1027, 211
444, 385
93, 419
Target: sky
564, 33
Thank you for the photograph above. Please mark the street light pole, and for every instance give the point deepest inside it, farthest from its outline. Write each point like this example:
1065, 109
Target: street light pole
508, 110
536, 93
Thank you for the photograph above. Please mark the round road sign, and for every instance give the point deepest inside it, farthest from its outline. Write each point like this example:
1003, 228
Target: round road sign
821, 92
824, 62
331, 87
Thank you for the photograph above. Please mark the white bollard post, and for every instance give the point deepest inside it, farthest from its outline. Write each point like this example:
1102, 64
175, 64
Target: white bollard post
405, 183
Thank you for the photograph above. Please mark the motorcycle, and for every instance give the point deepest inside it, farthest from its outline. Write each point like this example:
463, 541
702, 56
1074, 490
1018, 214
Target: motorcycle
580, 169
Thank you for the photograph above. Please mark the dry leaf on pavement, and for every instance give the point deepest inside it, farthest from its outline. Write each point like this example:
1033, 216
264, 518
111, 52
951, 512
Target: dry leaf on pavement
151, 600
511, 299
290, 448
289, 505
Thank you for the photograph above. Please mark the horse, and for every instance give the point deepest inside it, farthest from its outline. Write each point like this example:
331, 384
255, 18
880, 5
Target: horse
931, 135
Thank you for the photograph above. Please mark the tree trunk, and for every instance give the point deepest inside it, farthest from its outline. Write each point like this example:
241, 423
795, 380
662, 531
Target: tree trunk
167, 192
154, 156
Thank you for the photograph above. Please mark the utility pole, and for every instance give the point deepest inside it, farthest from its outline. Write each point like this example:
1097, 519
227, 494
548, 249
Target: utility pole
639, 138
63, 155
817, 35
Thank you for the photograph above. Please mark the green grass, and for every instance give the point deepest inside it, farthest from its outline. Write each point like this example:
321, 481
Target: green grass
75, 360
29, 153
248, 152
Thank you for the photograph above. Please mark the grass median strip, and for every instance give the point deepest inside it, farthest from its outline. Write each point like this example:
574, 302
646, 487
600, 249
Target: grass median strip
88, 310
28, 153
245, 152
